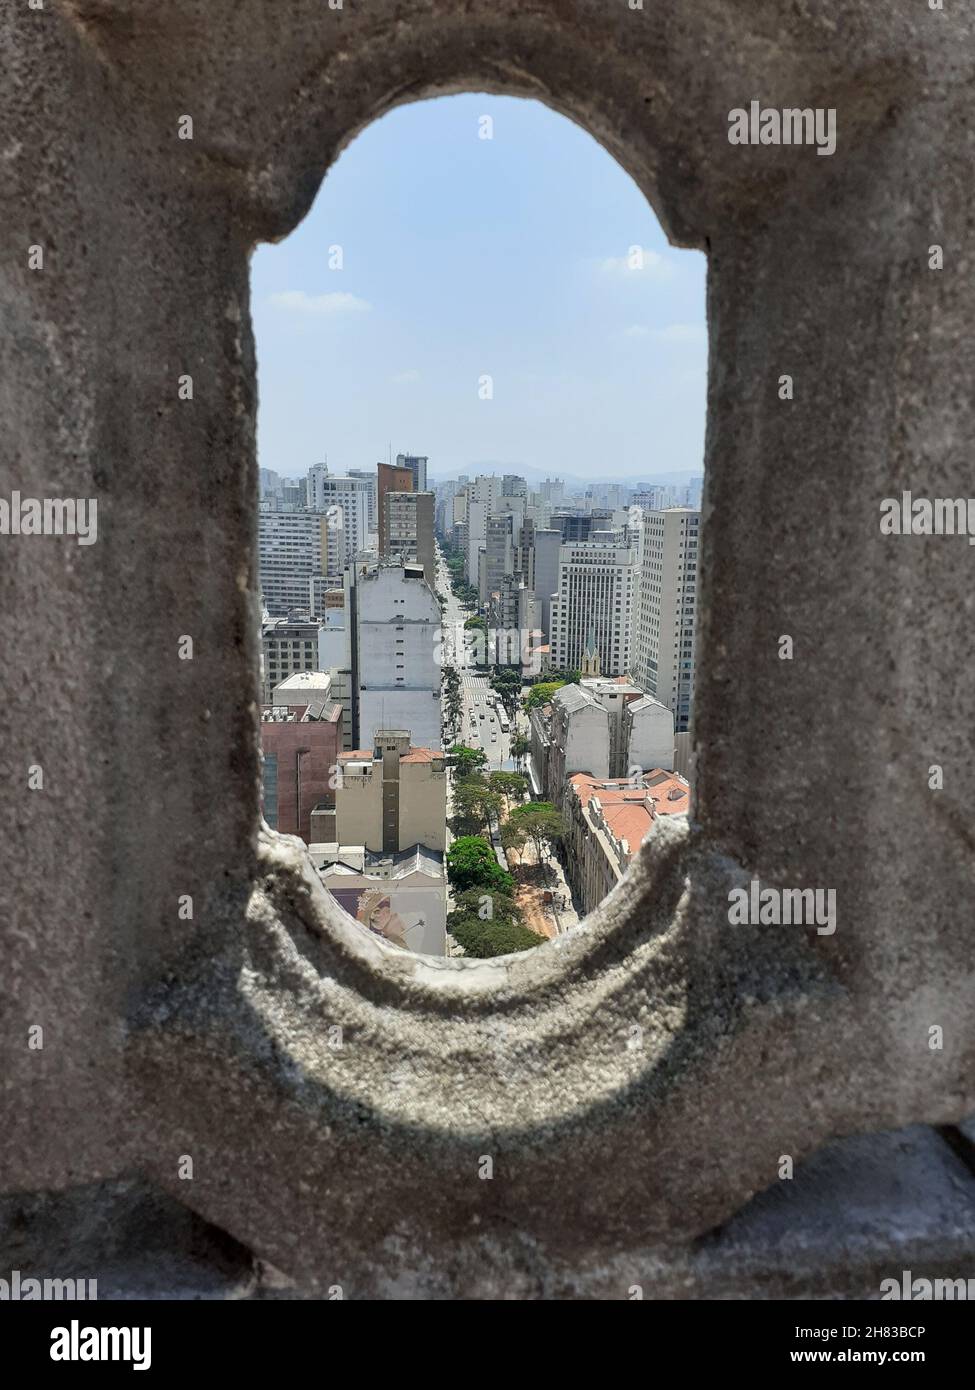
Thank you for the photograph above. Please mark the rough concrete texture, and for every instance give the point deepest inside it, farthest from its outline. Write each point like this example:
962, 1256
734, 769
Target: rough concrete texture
636, 1082
860, 1211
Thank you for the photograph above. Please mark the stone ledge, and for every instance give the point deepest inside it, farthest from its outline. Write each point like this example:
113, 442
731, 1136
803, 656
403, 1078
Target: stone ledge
861, 1210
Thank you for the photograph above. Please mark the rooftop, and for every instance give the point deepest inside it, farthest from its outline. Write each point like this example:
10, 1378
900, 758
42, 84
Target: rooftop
414, 755
625, 807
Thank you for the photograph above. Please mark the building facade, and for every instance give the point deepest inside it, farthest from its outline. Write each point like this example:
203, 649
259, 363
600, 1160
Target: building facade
596, 595
392, 796
607, 822
345, 502
286, 648
396, 626
300, 755
409, 519
389, 478
665, 629
292, 547
417, 464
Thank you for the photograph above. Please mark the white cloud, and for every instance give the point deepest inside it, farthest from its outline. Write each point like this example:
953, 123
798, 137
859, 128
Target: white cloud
405, 378
681, 333
636, 330
641, 263
298, 302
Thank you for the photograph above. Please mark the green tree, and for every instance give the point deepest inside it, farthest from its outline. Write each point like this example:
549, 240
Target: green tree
466, 760
514, 837
482, 940
520, 746
471, 863
511, 785
475, 802
543, 824
477, 902
506, 680
541, 694
476, 622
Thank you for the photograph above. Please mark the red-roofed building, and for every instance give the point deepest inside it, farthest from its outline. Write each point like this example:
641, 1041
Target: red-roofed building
608, 820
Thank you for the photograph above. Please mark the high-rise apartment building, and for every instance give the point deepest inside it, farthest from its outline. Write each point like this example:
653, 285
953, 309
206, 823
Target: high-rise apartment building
546, 547
497, 557
409, 534
578, 525
595, 598
396, 627
369, 476
389, 478
345, 504
666, 621
292, 546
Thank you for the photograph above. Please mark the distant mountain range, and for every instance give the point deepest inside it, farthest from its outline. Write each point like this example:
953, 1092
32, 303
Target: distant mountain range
538, 475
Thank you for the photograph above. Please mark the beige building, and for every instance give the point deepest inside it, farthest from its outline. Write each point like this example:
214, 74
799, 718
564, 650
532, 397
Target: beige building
392, 797
666, 612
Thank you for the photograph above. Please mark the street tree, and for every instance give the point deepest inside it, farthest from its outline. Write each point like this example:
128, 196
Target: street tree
475, 803
471, 863
466, 760
544, 825
483, 940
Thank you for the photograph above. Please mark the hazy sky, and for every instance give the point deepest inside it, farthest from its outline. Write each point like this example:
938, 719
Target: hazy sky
465, 257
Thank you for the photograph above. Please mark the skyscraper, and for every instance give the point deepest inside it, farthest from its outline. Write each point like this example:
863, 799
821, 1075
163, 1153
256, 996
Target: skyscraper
666, 620
389, 478
409, 531
345, 503
595, 599
396, 629
292, 546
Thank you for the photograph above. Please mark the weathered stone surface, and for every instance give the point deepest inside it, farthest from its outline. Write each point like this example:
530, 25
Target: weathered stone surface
861, 1210
165, 1038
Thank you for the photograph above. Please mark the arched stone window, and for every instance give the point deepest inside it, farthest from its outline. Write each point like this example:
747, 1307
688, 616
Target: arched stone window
637, 1083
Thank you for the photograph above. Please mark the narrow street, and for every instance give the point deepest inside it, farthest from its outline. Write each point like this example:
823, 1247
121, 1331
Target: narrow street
482, 727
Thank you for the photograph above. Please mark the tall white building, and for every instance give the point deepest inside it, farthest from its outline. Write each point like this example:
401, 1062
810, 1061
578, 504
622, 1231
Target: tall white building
483, 500
292, 547
396, 624
371, 477
595, 597
345, 502
666, 620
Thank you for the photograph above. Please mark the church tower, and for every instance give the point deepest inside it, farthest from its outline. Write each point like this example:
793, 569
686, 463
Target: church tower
590, 657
